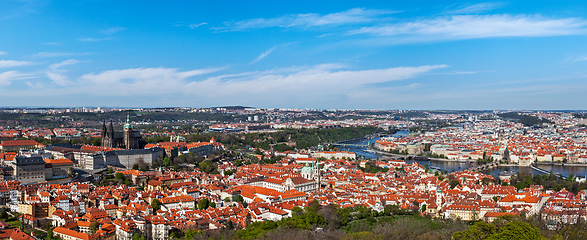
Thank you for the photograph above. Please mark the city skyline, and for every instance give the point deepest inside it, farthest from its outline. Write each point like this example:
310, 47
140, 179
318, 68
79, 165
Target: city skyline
348, 55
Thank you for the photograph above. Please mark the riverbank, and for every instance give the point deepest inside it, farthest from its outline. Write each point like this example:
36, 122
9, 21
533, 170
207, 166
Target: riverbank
562, 164
458, 165
372, 150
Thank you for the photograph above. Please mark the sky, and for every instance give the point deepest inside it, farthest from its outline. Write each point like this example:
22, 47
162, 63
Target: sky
528, 55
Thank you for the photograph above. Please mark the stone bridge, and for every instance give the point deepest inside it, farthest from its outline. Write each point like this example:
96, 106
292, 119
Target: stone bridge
484, 167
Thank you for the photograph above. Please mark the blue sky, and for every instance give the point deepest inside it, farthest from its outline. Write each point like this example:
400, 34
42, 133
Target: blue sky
294, 54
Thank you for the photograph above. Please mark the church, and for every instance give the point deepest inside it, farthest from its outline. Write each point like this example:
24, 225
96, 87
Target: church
127, 139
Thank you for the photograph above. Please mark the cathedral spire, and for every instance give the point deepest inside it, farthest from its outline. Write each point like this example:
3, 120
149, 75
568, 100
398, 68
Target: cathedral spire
127, 124
111, 132
104, 130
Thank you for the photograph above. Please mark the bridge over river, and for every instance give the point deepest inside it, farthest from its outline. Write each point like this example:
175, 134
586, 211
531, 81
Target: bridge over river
493, 165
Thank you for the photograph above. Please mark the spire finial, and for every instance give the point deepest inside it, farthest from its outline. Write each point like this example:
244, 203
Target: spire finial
127, 124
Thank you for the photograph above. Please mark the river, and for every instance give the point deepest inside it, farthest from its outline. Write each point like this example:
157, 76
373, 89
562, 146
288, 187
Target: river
457, 166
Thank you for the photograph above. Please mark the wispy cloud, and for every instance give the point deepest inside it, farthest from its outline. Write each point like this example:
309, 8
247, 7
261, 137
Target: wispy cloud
64, 63
477, 26
7, 77
311, 84
474, 8
13, 63
263, 55
113, 30
56, 54
192, 26
58, 79
128, 81
57, 75
324, 84
3, 53
580, 59
90, 39
352, 16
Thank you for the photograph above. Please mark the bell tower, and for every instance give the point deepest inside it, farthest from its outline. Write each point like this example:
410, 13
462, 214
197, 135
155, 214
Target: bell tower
128, 134
317, 175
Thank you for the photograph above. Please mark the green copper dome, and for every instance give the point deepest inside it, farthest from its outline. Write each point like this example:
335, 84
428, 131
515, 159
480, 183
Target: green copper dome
127, 124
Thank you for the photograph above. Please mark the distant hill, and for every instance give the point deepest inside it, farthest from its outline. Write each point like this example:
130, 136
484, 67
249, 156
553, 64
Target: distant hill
527, 120
233, 107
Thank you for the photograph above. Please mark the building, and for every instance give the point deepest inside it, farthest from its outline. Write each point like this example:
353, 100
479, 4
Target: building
28, 169
334, 154
122, 158
127, 139
15, 145
57, 168
183, 201
14, 234
201, 148
68, 234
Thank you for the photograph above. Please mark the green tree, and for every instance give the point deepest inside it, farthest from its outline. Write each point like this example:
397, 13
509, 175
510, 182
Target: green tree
94, 225
423, 208
190, 234
3, 214
119, 176
453, 183
238, 198
96, 142
166, 162
203, 204
313, 206
156, 204
517, 231
480, 230
296, 211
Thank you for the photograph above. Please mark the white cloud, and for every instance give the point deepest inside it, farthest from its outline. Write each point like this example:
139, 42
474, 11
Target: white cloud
53, 54
56, 75
580, 59
13, 63
113, 30
64, 63
58, 78
308, 86
301, 86
7, 77
351, 16
3, 53
475, 8
263, 55
478, 26
139, 80
192, 26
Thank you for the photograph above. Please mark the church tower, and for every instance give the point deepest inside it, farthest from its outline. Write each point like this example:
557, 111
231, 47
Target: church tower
307, 171
104, 134
104, 128
128, 134
317, 175
111, 132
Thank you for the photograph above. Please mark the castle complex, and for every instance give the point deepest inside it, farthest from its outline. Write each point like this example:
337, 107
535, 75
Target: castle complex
127, 139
